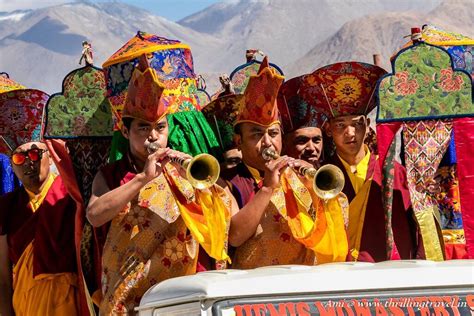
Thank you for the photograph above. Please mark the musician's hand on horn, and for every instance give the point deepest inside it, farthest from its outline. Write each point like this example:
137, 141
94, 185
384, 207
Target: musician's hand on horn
154, 163
273, 171
176, 156
296, 164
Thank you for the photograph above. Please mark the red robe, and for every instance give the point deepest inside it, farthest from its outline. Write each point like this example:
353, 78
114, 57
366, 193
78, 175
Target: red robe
373, 243
51, 227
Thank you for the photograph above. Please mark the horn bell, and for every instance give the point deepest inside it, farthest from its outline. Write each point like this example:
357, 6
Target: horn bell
328, 182
202, 171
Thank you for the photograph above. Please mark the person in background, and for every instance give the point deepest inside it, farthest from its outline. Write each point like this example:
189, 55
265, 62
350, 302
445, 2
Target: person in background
38, 268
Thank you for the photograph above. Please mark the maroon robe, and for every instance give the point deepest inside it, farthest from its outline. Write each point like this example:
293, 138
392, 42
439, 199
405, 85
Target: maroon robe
243, 183
51, 228
373, 242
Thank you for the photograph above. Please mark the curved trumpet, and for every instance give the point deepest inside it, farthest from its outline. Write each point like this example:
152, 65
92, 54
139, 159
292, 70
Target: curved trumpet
202, 171
328, 181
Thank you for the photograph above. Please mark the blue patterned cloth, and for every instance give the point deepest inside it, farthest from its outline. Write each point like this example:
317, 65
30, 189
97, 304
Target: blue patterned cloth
9, 181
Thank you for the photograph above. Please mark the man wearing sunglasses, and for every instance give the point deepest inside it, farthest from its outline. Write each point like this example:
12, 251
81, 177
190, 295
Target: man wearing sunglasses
38, 268
31, 165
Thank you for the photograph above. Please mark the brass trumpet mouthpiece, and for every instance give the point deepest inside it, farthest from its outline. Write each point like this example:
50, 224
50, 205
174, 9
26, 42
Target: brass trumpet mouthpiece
202, 171
152, 147
269, 154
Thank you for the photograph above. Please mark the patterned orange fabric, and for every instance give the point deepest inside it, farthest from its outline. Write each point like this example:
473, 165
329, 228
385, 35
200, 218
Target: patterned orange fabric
140, 44
259, 104
144, 97
6, 84
345, 88
145, 245
273, 243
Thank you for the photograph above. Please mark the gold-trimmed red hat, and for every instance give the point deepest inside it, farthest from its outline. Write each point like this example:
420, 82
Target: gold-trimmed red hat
295, 111
345, 88
21, 118
259, 104
144, 99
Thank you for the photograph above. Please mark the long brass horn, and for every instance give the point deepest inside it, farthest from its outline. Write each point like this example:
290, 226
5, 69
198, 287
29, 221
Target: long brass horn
328, 181
202, 171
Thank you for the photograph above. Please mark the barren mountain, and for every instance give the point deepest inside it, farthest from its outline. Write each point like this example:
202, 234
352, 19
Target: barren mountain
285, 30
39, 47
382, 34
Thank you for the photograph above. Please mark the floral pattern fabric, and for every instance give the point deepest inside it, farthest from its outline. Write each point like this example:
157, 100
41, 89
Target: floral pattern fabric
463, 57
82, 109
145, 245
342, 88
175, 71
448, 198
6, 84
140, 44
424, 72
296, 111
273, 242
21, 117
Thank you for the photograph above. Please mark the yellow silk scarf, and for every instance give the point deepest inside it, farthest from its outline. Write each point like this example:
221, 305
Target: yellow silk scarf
207, 218
326, 234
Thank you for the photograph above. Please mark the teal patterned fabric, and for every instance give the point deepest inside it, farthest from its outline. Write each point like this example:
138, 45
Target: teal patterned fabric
82, 109
424, 85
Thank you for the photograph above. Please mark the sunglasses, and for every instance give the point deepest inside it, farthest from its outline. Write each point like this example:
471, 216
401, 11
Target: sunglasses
34, 154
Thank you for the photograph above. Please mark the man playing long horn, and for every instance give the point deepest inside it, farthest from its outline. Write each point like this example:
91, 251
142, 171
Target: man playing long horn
156, 219
280, 221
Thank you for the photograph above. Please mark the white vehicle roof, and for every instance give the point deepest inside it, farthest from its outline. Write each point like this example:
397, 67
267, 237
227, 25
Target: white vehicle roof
326, 278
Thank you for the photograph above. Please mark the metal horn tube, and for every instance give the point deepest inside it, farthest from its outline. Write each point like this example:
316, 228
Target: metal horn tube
328, 181
202, 171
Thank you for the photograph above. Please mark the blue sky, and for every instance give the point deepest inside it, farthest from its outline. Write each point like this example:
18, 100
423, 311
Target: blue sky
171, 9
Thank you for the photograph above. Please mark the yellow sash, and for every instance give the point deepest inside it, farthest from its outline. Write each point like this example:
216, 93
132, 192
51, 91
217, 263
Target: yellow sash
326, 234
357, 210
207, 217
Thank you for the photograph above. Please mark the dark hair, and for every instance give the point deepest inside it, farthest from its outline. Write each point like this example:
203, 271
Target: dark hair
238, 129
127, 122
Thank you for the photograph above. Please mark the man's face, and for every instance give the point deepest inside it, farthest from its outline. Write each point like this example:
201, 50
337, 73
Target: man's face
348, 133
232, 158
254, 139
142, 133
305, 143
32, 173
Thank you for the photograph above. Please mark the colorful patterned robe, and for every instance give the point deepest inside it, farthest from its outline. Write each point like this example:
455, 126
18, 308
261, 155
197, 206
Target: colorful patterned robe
147, 242
274, 242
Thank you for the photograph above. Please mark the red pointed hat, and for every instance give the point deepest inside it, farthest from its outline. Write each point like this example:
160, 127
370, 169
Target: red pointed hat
345, 88
259, 104
144, 99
